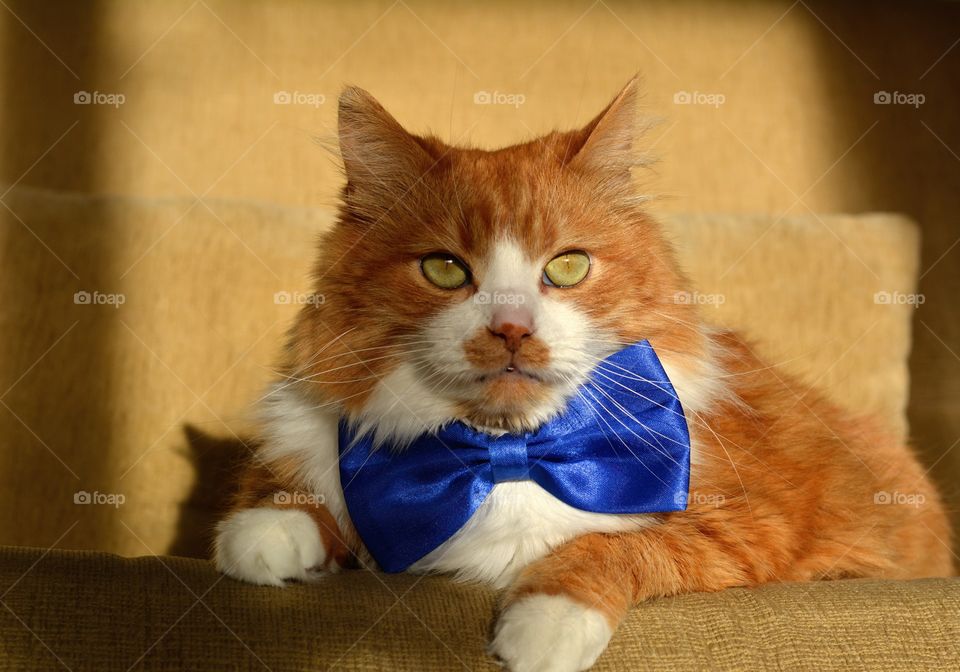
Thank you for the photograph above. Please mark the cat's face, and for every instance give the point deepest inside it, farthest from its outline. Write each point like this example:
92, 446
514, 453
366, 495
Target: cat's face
482, 286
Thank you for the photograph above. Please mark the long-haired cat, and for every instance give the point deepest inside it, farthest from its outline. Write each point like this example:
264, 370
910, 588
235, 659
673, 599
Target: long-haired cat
783, 484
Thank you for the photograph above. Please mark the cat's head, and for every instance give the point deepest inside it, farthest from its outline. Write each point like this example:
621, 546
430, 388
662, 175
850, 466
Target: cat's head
482, 285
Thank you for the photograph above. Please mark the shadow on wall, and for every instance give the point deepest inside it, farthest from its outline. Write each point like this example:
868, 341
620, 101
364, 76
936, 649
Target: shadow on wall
216, 461
910, 163
49, 412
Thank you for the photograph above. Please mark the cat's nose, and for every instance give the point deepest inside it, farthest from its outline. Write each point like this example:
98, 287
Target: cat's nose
512, 324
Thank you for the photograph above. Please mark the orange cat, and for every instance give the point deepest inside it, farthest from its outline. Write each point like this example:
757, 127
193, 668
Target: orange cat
783, 484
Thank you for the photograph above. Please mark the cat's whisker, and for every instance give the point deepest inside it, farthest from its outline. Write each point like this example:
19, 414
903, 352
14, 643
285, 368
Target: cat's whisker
620, 438
690, 325
359, 362
629, 375
364, 362
327, 345
662, 450
292, 380
735, 374
352, 353
700, 422
436, 375
620, 407
622, 344
345, 380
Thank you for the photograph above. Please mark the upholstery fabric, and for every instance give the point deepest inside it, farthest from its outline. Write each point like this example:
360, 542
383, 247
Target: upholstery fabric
141, 404
94, 611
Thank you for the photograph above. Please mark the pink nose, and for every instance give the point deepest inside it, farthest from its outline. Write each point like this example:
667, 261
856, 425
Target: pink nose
512, 324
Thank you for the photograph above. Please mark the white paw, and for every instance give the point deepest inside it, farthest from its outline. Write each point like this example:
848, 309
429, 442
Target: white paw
550, 633
266, 546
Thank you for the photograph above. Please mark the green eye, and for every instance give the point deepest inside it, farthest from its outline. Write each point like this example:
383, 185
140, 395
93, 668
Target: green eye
567, 269
445, 270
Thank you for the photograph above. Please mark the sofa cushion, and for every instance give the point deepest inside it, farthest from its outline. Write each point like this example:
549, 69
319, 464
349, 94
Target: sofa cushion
95, 611
135, 334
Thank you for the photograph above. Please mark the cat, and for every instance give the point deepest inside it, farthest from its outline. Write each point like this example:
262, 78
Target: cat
783, 483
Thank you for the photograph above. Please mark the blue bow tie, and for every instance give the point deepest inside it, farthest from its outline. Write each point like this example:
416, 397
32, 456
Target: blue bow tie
620, 447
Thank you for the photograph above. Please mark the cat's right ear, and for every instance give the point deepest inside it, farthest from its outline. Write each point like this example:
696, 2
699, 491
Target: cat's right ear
382, 161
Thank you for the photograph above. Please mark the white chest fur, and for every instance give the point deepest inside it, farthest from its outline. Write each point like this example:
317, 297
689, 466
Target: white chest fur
518, 523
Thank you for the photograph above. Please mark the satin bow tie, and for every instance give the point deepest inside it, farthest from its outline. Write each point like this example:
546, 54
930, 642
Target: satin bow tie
621, 446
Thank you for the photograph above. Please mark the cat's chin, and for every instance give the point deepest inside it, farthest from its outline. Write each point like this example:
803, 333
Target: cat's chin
511, 389
511, 401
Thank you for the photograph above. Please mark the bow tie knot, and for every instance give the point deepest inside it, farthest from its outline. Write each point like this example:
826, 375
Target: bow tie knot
509, 458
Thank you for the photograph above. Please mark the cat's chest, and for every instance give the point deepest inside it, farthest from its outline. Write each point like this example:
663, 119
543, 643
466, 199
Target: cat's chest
518, 523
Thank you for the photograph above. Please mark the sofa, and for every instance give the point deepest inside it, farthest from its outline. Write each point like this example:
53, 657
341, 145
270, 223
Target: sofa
154, 249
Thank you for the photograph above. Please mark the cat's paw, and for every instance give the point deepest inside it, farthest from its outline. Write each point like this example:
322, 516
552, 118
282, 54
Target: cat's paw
267, 546
550, 633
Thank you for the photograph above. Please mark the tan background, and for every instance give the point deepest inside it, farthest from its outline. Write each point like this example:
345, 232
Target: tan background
798, 133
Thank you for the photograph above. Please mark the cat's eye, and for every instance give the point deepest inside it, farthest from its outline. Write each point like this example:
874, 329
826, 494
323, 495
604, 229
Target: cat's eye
567, 269
445, 270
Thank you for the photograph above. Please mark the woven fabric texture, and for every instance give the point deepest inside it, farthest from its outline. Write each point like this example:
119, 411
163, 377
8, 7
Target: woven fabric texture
94, 611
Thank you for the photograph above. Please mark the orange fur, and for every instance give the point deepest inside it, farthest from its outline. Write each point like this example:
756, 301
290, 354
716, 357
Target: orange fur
786, 484
261, 483
787, 492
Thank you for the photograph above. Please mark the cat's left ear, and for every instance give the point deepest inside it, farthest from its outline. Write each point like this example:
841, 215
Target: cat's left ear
605, 145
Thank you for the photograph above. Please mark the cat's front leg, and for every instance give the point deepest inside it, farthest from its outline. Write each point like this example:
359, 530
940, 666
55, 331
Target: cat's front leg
278, 532
560, 613
562, 610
